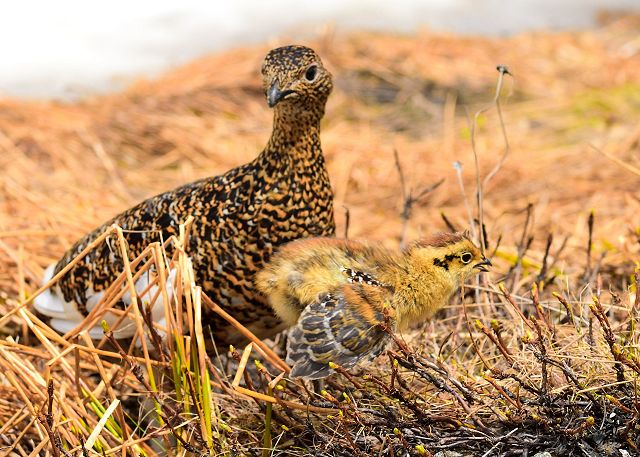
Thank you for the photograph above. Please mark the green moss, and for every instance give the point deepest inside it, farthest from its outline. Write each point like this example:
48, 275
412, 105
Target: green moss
481, 122
600, 106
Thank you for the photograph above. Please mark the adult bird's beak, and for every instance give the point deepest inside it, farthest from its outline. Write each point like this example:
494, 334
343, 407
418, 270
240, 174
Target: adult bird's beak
275, 95
482, 266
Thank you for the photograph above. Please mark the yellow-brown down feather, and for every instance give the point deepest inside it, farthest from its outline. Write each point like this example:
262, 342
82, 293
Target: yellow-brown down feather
305, 269
339, 295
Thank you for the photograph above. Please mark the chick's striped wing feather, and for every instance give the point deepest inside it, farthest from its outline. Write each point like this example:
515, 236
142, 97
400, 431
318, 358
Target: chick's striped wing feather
334, 329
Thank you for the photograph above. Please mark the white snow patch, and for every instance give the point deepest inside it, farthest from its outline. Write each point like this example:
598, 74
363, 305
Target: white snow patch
70, 48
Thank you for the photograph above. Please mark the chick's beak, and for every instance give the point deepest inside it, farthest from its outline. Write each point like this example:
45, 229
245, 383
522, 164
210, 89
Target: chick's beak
275, 95
482, 266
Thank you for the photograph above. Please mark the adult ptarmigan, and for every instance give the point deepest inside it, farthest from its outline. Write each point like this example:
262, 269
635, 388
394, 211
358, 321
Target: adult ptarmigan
240, 217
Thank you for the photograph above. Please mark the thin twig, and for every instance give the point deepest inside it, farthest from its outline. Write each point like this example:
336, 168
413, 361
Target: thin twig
409, 199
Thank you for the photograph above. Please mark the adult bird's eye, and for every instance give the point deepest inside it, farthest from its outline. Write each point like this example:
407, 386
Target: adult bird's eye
466, 257
311, 73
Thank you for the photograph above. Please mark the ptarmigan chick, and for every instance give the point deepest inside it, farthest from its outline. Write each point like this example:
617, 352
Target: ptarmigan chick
239, 217
338, 294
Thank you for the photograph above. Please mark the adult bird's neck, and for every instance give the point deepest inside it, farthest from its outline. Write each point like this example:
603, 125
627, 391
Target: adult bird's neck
295, 135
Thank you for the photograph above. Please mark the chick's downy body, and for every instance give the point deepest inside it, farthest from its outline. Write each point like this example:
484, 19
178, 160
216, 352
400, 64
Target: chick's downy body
239, 217
337, 295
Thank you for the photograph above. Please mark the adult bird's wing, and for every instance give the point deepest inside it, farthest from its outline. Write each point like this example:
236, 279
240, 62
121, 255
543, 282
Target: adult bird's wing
340, 327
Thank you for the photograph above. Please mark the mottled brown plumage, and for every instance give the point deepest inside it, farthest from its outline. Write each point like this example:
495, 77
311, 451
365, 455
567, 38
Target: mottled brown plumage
337, 295
239, 217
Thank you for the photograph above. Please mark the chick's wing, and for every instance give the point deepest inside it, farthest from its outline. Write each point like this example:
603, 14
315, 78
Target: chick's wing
343, 327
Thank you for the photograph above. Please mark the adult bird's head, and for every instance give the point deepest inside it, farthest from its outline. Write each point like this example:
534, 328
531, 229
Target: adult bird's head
294, 77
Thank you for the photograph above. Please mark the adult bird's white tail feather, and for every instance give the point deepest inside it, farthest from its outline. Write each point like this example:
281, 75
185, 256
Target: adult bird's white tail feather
52, 304
65, 316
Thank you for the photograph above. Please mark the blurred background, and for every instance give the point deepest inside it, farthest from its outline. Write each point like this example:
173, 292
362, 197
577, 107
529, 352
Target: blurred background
71, 48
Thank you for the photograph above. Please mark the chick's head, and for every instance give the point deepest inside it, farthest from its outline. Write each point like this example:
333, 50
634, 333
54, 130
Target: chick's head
294, 76
454, 255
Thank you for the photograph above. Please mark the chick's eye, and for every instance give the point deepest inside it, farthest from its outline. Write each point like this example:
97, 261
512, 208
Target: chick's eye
311, 73
466, 257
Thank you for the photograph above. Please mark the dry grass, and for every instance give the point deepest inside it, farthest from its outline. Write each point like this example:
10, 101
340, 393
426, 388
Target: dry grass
550, 363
